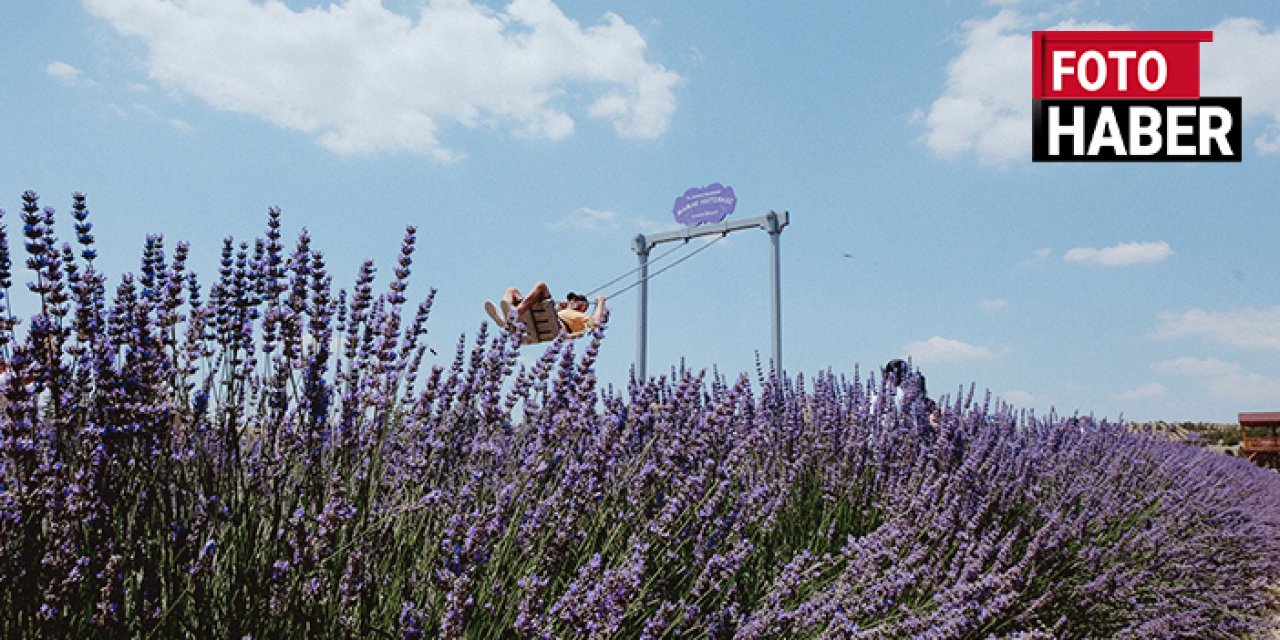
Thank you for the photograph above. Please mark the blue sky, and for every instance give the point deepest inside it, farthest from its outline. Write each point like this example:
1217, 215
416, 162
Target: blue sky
533, 139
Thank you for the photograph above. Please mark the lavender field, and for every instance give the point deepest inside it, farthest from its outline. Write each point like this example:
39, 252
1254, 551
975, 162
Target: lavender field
262, 454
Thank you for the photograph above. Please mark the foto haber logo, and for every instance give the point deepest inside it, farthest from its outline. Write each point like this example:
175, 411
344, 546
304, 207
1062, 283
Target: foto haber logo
1127, 96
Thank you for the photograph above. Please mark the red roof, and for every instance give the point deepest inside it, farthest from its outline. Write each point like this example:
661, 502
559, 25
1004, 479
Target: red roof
1260, 418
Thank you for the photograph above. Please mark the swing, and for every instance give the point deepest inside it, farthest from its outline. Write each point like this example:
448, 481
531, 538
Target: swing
541, 323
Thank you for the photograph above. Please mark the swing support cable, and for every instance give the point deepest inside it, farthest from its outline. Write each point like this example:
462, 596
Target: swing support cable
640, 281
619, 278
772, 223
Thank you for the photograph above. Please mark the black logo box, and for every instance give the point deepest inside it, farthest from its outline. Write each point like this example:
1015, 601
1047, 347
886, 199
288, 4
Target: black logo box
1121, 108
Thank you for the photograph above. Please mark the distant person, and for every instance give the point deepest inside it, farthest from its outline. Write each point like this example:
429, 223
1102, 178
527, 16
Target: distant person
10, 381
572, 311
908, 387
4, 384
896, 372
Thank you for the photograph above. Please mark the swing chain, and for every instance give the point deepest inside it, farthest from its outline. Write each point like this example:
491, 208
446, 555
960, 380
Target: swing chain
659, 257
665, 268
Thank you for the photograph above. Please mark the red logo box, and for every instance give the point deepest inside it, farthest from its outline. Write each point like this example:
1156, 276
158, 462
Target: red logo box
1116, 64
1127, 96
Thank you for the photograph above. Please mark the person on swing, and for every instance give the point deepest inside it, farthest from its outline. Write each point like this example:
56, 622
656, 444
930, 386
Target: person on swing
572, 311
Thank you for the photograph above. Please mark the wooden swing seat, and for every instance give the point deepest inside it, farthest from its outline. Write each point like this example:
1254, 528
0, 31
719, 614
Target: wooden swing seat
538, 324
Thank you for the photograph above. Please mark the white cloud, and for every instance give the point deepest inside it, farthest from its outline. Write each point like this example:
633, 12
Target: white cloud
1146, 391
588, 219
994, 304
1123, 254
148, 114
1018, 398
940, 349
1224, 380
1249, 328
1268, 143
1041, 255
696, 56
145, 111
1188, 366
1249, 387
62, 71
1241, 62
361, 79
985, 108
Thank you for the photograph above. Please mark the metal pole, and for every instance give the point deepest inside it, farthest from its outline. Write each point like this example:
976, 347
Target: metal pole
773, 223
775, 237
641, 247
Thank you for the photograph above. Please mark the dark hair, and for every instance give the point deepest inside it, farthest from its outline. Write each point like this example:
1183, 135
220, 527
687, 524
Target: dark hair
896, 371
575, 297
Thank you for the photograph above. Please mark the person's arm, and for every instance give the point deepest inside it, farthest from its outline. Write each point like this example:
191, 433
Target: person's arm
601, 314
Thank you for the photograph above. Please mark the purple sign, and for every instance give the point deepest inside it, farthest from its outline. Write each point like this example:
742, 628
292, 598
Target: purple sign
708, 204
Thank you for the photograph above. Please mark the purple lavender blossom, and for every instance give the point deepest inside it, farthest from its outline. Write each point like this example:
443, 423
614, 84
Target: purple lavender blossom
271, 458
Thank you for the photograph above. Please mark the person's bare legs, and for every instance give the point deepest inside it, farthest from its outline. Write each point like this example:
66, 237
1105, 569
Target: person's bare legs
512, 297
537, 293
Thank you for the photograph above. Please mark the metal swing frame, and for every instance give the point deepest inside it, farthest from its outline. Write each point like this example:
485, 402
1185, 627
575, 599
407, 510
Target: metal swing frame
772, 223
